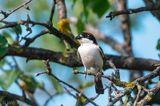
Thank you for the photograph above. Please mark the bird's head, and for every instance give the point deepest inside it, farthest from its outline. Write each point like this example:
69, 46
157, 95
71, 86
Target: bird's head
86, 37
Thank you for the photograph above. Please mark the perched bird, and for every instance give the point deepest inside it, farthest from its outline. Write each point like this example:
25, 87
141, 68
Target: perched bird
92, 57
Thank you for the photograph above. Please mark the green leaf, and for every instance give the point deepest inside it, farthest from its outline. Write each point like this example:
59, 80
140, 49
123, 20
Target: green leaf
8, 37
17, 29
80, 26
3, 46
158, 45
7, 78
86, 85
3, 51
56, 85
3, 41
99, 7
30, 82
2, 62
85, 8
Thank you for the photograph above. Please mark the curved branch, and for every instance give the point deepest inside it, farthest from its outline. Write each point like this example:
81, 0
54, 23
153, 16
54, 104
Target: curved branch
123, 62
111, 15
52, 30
14, 97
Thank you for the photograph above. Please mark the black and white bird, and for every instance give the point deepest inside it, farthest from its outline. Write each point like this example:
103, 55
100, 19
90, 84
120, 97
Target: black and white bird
92, 57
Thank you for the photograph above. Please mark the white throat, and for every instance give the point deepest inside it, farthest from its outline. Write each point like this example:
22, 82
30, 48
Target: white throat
85, 41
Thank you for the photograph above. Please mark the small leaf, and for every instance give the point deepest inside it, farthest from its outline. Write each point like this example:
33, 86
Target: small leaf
80, 26
86, 85
3, 41
100, 7
2, 62
8, 37
29, 83
17, 29
56, 85
158, 45
3, 46
7, 78
85, 2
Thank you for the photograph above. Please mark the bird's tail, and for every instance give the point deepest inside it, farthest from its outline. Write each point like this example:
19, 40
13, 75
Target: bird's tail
98, 85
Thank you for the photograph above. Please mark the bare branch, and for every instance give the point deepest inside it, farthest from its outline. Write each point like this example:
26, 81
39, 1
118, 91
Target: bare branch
140, 80
132, 11
149, 96
49, 72
150, 3
107, 39
50, 28
52, 12
11, 96
19, 7
30, 40
123, 62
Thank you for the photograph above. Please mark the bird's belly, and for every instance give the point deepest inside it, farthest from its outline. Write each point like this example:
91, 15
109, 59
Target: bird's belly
91, 57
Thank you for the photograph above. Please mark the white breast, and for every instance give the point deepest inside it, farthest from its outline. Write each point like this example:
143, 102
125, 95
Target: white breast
91, 57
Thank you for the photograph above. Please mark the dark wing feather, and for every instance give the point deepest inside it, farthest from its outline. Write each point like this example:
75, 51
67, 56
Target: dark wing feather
102, 53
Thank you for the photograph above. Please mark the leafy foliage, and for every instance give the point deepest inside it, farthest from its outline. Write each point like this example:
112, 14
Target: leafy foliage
99, 7
7, 78
3, 45
56, 85
158, 45
17, 29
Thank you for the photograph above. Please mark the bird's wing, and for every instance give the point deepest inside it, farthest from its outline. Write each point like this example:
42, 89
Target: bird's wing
101, 52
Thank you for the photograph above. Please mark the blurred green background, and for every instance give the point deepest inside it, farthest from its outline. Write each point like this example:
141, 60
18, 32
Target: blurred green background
17, 71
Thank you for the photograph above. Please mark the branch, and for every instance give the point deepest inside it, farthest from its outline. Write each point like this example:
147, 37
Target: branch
52, 12
51, 29
132, 11
19, 7
107, 39
151, 3
30, 40
49, 72
149, 96
140, 80
125, 27
123, 62
62, 13
10, 96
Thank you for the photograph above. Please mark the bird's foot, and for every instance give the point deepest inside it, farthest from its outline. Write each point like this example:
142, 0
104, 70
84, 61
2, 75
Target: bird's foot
99, 74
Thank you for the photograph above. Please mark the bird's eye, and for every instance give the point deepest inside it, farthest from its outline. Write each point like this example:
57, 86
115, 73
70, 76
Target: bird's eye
80, 36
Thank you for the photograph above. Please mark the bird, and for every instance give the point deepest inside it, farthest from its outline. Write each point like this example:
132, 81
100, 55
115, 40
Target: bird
92, 58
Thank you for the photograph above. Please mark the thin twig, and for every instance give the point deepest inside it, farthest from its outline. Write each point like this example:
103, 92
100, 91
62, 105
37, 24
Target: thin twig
149, 96
138, 95
109, 94
30, 40
49, 99
117, 74
132, 11
52, 12
49, 72
11, 96
19, 7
